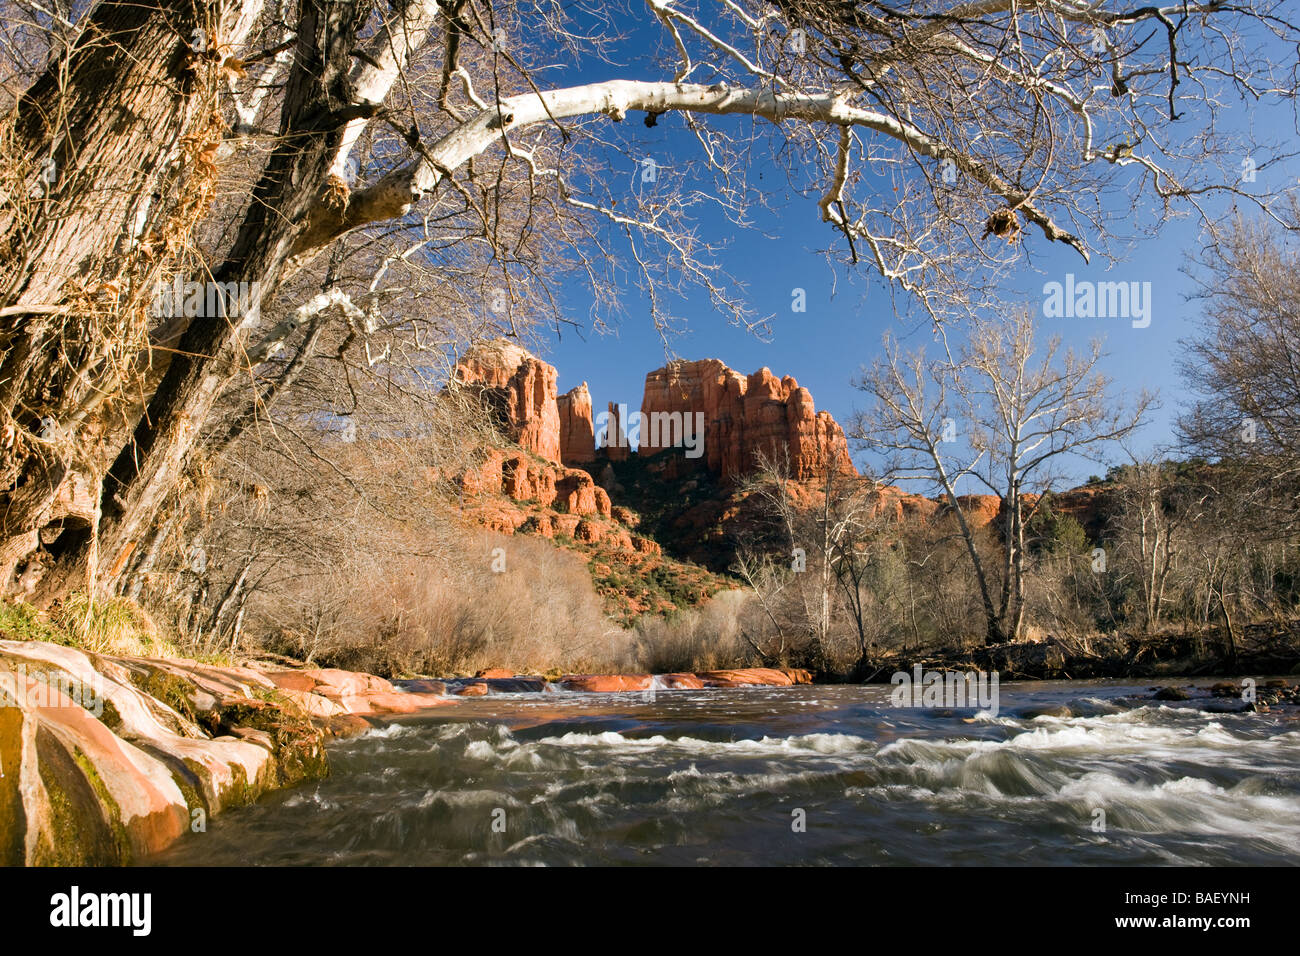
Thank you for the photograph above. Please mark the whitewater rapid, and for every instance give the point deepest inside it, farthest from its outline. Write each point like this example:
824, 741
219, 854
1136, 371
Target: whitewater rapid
806, 775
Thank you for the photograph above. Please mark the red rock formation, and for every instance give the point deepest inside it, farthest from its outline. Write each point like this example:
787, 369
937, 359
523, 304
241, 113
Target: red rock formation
97, 770
682, 681
1084, 505
605, 683
526, 386
614, 440
755, 676
980, 510
577, 434
743, 418
525, 479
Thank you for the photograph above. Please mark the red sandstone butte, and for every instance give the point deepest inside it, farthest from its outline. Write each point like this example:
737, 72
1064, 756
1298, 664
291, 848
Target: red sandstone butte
527, 386
743, 417
577, 433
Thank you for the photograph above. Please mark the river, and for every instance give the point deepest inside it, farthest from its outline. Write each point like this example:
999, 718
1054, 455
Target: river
792, 775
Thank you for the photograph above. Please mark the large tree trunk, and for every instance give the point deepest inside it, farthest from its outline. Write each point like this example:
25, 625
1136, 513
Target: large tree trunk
318, 106
101, 182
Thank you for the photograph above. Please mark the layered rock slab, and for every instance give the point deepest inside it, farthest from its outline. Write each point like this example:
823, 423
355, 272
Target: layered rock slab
107, 760
523, 386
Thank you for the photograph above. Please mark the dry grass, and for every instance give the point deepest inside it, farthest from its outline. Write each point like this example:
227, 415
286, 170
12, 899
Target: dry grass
410, 616
115, 626
697, 639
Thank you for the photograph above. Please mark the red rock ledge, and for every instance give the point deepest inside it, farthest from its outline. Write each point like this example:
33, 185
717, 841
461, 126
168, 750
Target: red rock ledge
619, 683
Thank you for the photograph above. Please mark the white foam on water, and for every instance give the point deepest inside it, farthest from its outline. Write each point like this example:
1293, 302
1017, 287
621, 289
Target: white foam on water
1113, 762
1190, 805
310, 798
807, 743
480, 750
391, 731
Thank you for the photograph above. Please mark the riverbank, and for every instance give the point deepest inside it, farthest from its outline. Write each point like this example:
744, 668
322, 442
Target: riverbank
109, 759
1261, 648
106, 760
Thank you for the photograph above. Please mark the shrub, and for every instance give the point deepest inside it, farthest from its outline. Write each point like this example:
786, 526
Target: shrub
697, 639
441, 617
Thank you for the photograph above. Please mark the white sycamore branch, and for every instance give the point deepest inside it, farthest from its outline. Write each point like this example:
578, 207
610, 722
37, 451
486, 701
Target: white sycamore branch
394, 194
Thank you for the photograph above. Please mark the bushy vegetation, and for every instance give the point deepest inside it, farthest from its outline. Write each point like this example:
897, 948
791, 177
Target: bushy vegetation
695, 639
1163, 558
403, 616
640, 585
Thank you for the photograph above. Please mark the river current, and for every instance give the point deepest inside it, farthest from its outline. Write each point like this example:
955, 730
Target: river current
793, 775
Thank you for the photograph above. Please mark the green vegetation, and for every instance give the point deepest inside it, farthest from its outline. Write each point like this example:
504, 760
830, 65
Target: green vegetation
662, 501
113, 625
658, 586
20, 621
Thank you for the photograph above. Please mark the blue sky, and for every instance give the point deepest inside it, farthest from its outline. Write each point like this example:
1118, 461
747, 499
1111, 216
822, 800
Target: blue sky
848, 311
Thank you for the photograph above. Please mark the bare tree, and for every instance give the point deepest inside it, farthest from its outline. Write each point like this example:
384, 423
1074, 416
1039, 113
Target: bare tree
821, 527
1019, 411
1244, 366
1153, 504
413, 126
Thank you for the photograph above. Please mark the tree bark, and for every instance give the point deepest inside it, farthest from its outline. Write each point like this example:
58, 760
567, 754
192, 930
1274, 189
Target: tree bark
108, 121
318, 105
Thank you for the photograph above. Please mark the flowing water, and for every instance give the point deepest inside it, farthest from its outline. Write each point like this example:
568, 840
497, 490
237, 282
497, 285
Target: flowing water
794, 775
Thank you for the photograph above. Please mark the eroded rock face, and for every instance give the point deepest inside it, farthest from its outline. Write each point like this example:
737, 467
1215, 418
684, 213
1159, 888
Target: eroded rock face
518, 494
1085, 505
525, 387
108, 760
980, 510
525, 479
577, 433
745, 417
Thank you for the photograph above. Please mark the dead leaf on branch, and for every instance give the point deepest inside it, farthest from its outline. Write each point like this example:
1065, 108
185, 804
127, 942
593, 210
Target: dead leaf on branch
1004, 223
